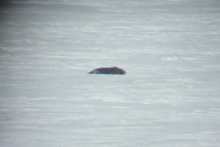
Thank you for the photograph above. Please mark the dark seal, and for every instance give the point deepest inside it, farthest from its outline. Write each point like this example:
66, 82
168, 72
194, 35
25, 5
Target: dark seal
108, 70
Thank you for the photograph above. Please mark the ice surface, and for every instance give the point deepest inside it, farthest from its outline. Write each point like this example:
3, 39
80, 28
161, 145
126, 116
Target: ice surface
169, 96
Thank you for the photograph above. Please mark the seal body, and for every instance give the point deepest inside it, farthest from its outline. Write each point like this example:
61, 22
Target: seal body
108, 70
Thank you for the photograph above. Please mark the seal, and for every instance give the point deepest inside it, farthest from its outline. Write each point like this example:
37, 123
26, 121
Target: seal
108, 70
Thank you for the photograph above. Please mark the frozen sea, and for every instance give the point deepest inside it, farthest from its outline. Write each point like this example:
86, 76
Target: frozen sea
169, 97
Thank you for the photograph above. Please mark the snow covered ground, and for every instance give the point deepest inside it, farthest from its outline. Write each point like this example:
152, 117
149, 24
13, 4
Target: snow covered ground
169, 97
